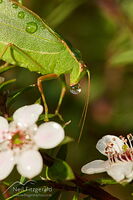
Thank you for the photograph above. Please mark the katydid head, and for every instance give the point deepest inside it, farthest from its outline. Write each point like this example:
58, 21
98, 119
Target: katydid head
75, 77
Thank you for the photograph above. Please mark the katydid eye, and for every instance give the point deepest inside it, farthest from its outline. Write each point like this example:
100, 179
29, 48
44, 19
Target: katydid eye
75, 89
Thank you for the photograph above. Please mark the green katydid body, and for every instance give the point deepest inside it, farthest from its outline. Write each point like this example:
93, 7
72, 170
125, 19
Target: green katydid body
47, 52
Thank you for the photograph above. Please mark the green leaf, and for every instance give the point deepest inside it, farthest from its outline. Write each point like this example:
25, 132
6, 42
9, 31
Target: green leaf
57, 16
60, 170
38, 101
75, 197
67, 140
4, 84
13, 97
127, 7
42, 117
6, 68
22, 179
122, 58
62, 153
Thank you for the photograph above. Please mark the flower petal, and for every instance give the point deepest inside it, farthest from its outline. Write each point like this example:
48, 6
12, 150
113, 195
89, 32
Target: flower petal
3, 124
96, 166
3, 127
27, 115
108, 139
120, 171
49, 135
6, 163
129, 177
30, 163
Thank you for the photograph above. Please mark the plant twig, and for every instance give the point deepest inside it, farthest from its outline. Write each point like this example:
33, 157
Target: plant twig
91, 189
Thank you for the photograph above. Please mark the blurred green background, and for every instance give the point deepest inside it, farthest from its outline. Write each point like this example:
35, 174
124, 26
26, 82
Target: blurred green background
103, 31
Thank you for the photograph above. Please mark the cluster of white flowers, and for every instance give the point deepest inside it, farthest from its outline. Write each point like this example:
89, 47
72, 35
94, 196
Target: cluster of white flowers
120, 158
21, 139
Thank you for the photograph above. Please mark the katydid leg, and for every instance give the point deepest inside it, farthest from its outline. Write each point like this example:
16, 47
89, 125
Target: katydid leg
4, 50
40, 79
6, 66
62, 94
39, 84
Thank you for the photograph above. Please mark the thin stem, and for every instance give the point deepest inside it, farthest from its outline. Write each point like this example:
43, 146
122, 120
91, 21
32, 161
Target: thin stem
91, 189
17, 194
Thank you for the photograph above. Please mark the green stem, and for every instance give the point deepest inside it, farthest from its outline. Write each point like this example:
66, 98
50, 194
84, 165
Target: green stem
15, 195
22, 179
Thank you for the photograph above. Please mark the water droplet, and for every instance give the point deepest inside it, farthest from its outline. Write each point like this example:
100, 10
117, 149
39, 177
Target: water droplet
21, 15
75, 89
31, 27
14, 5
1, 1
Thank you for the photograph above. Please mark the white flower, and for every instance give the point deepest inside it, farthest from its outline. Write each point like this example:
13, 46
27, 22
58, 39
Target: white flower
21, 139
120, 158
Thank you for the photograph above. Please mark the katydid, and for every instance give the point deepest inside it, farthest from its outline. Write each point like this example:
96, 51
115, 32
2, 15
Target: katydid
27, 41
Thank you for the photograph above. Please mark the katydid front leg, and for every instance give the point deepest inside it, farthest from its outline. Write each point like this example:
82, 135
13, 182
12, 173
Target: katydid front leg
39, 84
40, 79
63, 91
6, 66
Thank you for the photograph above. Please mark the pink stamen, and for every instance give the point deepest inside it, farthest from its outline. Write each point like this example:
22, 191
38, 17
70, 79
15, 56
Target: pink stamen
123, 156
18, 139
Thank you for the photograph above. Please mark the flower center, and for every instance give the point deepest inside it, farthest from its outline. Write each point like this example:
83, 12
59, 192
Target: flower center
126, 151
18, 139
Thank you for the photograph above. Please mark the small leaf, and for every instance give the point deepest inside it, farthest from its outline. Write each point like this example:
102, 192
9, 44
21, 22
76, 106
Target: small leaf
67, 140
5, 68
22, 179
38, 101
75, 197
13, 97
62, 153
60, 170
42, 117
4, 84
